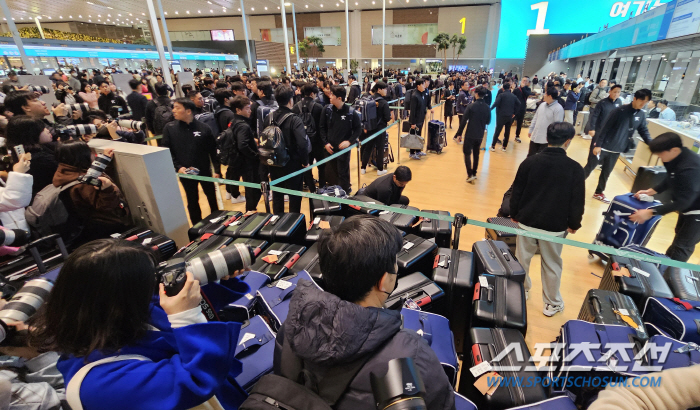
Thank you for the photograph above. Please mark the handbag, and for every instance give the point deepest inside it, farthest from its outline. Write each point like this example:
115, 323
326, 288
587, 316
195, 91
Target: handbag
412, 140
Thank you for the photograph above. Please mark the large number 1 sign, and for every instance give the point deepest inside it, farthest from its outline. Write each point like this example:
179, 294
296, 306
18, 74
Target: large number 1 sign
541, 15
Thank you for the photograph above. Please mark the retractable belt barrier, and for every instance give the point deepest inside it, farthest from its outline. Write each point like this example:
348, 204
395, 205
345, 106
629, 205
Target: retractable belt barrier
157, 137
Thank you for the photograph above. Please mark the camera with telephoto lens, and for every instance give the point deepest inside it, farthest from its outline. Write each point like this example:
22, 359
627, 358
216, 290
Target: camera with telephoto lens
208, 268
401, 388
42, 89
134, 125
14, 237
93, 173
115, 111
84, 107
23, 305
68, 132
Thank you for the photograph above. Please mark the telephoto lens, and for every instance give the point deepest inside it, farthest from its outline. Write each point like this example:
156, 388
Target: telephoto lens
96, 169
14, 237
208, 268
84, 107
26, 301
39, 89
134, 125
82, 129
401, 388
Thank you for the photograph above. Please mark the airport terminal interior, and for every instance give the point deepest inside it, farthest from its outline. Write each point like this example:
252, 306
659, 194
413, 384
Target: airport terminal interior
371, 204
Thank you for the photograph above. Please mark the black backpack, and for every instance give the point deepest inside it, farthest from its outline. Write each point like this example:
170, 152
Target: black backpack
273, 149
162, 116
305, 113
407, 100
227, 147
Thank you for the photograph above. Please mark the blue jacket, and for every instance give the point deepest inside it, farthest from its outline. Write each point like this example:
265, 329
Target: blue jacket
571, 100
462, 102
188, 366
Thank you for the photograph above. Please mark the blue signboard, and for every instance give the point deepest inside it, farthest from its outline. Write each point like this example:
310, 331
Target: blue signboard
36, 51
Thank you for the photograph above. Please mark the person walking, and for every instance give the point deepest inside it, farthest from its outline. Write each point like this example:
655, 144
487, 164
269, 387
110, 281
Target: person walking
549, 112
243, 158
506, 106
463, 100
477, 116
522, 92
549, 196
596, 120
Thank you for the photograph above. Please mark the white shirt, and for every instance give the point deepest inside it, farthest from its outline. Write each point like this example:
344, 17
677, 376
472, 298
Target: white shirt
667, 114
545, 115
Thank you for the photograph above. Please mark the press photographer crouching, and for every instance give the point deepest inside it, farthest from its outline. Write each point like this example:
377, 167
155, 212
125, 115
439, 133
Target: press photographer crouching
111, 130
159, 352
349, 324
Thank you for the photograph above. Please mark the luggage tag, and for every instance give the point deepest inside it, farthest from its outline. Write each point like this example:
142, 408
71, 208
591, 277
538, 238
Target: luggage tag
217, 219
641, 272
480, 369
147, 241
283, 284
272, 220
418, 222
624, 315
411, 304
622, 272
274, 256
488, 383
687, 348
408, 245
315, 222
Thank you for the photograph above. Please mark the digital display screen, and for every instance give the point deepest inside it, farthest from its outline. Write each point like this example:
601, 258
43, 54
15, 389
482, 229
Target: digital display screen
222, 35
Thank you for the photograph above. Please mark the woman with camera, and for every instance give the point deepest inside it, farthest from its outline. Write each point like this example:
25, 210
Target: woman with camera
36, 139
89, 95
161, 353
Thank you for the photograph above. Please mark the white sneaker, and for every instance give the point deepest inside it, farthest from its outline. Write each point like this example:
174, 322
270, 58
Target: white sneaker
471, 179
503, 149
421, 154
227, 196
460, 142
551, 310
493, 149
286, 198
362, 171
383, 172
586, 137
238, 199
527, 294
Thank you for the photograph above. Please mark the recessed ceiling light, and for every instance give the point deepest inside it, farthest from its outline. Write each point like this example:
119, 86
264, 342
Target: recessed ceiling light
356, 3
266, 8
109, 15
60, 17
337, 4
143, 14
13, 19
130, 14
321, 5
307, 6
79, 16
39, 17
49, 17
166, 13
278, 7
239, 9
89, 21
89, 2
119, 15
176, 12
188, 12
199, 11
211, 11
372, 2
99, 15
70, 17
287, 4
209, 2
110, 8
252, 8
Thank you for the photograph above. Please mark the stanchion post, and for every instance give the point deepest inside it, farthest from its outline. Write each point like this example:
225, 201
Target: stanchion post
398, 142
457, 224
359, 144
265, 188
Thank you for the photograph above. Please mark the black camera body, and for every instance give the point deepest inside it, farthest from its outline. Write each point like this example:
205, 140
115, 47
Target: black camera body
173, 275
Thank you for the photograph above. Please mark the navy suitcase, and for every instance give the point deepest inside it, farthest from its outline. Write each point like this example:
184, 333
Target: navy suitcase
644, 280
362, 210
321, 207
618, 231
287, 227
680, 354
242, 309
555, 403
683, 283
435, 330
418, 288
314, 232
488, 344
463, 403
246, 225
403, 222
286, 254
605, 307
499, 302
255, 350
273, 299
416, 255
647, 251
213, 223
436, 136
679, 319
496, 235
495, 258
453, 271
258, 245
310, 263
434, 228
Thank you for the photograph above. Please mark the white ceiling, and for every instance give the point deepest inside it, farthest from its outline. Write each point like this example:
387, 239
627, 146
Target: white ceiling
134, 12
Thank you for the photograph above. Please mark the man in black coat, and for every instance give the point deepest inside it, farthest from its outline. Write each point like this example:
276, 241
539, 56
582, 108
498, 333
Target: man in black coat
419, 104
506, 105
477, 117
597, 118
377, 144
388, 188
136, 101
310, 104
108, 99
244, 158
522, 92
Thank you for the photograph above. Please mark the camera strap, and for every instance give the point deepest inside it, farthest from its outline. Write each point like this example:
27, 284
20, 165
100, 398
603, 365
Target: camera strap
208, 308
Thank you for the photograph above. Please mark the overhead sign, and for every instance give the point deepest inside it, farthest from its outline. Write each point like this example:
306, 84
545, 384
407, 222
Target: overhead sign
330, 36
685, 20
37, 51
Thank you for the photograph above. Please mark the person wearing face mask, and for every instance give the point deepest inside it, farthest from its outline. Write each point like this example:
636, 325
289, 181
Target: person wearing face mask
348, 322
549, 195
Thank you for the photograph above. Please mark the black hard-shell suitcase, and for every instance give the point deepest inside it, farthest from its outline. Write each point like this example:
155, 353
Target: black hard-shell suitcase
434, 228
495, 258
402, 221
496, 235
163, 246
416, 255
314, 232
488, 344
287, 255
309, 262
287, 227
320, 207
258, 245
246, 225
205, 244
420, 289
361, 210
38, 258
453, 271
213, 223
684, 283
499, 302
605, 307
649, 177
132, 234
644, 280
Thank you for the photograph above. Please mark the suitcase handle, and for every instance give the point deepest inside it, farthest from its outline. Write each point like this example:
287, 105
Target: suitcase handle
477, 291
476, 355
37, 256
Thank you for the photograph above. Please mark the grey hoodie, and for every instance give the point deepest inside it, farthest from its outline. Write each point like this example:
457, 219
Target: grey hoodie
325, 331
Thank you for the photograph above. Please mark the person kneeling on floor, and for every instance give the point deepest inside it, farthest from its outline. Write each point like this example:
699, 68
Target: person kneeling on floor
349, 323
388, 189
549, 195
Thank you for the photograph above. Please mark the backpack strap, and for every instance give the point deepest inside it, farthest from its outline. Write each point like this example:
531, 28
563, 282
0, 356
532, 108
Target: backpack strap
73, 388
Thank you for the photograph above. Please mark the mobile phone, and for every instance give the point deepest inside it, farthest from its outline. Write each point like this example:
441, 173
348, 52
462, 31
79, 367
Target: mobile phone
19, 151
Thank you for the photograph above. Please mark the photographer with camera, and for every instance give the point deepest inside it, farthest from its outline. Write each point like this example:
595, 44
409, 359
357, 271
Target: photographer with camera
349, 323
36, 140
123, 348
110, 130
109, 99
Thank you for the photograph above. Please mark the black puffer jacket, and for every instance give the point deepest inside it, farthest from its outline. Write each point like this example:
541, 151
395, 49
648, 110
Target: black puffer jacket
325, 331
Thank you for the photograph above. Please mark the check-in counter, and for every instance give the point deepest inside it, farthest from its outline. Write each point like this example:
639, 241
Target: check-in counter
644, 158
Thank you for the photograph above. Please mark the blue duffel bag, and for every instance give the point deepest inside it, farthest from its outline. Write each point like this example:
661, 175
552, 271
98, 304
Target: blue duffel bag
676, 318
680, 354
255, 350
555, 403
273, 299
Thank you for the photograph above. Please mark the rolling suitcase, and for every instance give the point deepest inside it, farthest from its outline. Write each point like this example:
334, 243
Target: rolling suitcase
463, 403
213, 223
683, 283
435, 330
612, 308
311, 264
434, 228
505, 237
488, 344
255, 350
416, 255
163, 246
273, 299
132, 234
638, 280
618, 231
677, 318
246, 225
287, 227
649, 177
362, 210
207, 243
680, 354
277, 259
402, 221
647, 251
581, 122
436, 136
419, 289
318, 225
495, 258
258, 245
241, 309
453, 271
321, 207
499, 302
